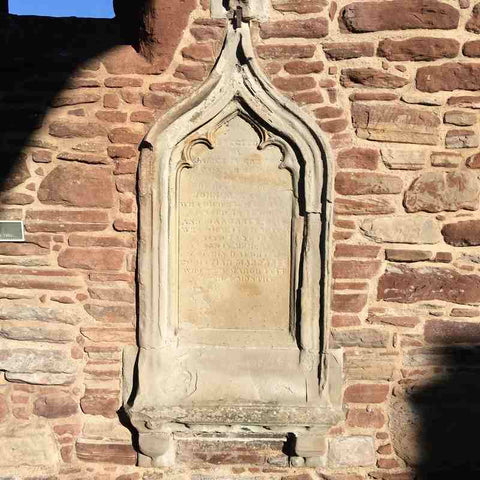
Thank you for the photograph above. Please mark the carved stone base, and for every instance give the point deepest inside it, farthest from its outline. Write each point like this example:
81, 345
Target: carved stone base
311, 448
157, 450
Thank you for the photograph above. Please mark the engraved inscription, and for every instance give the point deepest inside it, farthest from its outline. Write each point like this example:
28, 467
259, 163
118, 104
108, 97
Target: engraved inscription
234, 222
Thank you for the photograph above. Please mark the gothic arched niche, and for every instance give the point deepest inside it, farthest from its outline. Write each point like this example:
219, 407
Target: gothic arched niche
233, 268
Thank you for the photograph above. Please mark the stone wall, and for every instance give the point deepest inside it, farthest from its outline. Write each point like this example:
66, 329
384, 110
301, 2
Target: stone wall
392, 86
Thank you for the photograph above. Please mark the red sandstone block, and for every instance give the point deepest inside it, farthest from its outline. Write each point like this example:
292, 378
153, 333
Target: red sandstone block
473, 25
131, 96
371, 77
111, 100
448, 332
125, 135
122, 151
177, 88
142, 116
100, 402
112, 117
385, 449
313, 96
409, 256
81, 240
472, 49
363, 418
301, 67
294, 84
272, 52
465, 312
361, 183
194, 73
205, 33
110, 277
418, 49
55, 406
406, 284
364, 206
334, 126
272, 68
355, 268
368, 16
66, 452
347, 50
71, 129
358, 158
387, 463
127, 204
342, 235
23, 249
348, 224
110, 313
123, 225
299, 6
338, 285
110, 453
366, 393
42, 156
118, 82
126, 183
91, 258
124, 166
328, 112
63, 215
308, 28
65, 221
408, 321
373, 96
349, 303
339, 321
199, 52
356, 251
449, 77
113, 294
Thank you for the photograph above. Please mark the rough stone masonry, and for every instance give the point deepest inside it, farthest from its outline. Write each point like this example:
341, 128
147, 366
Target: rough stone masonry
392, 84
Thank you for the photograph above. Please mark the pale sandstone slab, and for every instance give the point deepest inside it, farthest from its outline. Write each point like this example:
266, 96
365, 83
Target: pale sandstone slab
354, 451
20, 313
28, 360
235, 212
370, 365
395, 124
361, 337
401, 159
41, 378
415, 98
406, 229
445, 159
37, 334
28, 447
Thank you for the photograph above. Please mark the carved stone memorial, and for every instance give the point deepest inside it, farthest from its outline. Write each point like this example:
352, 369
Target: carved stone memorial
233, 269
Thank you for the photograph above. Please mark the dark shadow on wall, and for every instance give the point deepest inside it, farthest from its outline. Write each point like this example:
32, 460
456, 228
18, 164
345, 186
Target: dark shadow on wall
447, 413
41, 57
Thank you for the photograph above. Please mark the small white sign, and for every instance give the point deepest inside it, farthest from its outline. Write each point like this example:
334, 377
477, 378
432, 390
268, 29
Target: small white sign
12, 231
